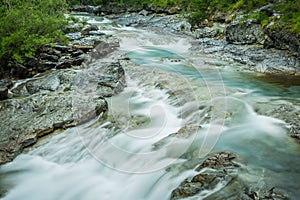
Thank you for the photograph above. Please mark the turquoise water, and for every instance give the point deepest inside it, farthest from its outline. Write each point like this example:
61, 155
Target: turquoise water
271, 155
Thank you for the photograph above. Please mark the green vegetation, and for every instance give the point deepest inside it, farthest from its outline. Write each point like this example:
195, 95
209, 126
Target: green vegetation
290, 19
199, 10
27, 25
87, 2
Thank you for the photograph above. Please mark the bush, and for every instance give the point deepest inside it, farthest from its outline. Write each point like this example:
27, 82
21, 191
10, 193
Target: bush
27, 25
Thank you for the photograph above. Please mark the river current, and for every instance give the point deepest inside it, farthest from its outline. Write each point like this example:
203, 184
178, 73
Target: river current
133, 154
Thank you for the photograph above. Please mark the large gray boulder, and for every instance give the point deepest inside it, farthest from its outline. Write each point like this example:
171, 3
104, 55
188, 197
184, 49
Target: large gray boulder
53, 101
247, 32
283, 40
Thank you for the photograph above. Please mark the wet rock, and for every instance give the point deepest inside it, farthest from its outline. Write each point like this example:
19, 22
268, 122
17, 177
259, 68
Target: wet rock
6, 82
245, 33
63, 65
109, 9
224, 171
3, 93
74, 36
238, 189
96, 33
295, 132
144, 12
57, 99
63, 49
218, 179
78, 60
88, 29
18, 130
103, 49
49, 57
90, 9
219, 160
76, 53
46, 65
173, 10
289, 113
55, 81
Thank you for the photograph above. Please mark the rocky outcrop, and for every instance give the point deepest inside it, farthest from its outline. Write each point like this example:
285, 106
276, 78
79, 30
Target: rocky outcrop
253, 57
113, 9
223, 173
283, 40
52, 101
251, 32
288, 112
247, 32
218, 179
47, 57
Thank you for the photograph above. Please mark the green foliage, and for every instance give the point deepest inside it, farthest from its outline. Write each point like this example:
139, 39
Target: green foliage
290, 15
87, 2
28, 24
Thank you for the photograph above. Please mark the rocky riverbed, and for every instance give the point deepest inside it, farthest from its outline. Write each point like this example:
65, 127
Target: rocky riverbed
73, 88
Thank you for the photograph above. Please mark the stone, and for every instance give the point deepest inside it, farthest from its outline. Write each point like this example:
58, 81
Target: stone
57, 99
3, 93
224, 172
102, 50
86, 30
218, 160
46, 65
63, 49
77, 61
63, 65
52, 58
248, 32
20, 71
283, 40
221, 170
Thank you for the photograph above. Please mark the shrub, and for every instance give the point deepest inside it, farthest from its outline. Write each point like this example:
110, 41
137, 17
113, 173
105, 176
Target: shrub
27, 25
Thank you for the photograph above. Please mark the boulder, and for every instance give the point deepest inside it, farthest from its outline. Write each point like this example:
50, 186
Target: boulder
223, 173
283, 40
86, 30
248, 32
103, 49
3, 93
55, 100
45, 56
63, 49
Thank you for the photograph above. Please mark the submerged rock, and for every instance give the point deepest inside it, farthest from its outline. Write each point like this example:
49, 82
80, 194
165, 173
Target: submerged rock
224, 170
218, 179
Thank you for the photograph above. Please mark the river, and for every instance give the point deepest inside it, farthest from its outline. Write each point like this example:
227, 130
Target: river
134, 154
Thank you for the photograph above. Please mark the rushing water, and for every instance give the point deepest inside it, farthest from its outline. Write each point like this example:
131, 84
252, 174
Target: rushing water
133, 154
